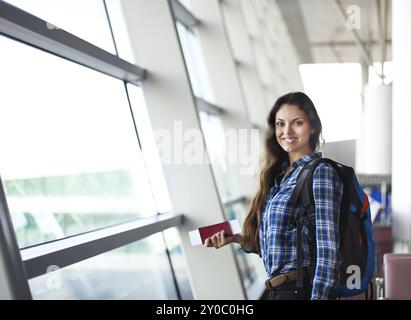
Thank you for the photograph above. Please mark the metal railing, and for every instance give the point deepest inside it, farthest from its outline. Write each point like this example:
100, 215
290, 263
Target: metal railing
64, 252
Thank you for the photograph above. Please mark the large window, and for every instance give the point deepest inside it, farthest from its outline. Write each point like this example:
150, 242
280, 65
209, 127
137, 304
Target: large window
217, 150
84, 19
71, 161
140, 270
175, 251
235, 206
149, 149
70, 156
194, 59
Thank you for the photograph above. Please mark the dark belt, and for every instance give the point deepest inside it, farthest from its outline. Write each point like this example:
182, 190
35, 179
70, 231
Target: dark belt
277, 281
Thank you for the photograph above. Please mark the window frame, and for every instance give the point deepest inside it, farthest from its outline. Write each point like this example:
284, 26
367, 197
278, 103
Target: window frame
31, 30
183, 15
24, 264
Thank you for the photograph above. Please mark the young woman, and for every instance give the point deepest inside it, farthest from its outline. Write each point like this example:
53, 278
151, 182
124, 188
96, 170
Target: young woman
269, 229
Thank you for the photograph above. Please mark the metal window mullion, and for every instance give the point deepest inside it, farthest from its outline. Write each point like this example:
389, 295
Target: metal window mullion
231, 202
65, 252
183, 15
173, 272
16, 274
205, 106
24, 27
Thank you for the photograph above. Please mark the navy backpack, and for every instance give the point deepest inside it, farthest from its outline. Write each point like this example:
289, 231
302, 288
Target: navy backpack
357, 249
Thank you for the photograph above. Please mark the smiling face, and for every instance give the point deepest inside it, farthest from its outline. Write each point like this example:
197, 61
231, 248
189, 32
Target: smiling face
293, 131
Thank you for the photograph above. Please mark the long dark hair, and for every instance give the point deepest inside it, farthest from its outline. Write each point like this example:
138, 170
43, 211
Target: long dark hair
274, 157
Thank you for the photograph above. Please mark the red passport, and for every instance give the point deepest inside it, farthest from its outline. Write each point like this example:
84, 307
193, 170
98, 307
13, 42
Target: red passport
199, 235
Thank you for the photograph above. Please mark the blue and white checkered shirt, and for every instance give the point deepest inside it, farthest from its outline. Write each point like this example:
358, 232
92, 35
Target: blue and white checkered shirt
278, 228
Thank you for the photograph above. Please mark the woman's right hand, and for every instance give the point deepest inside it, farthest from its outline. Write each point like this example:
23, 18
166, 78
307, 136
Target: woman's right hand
219, 239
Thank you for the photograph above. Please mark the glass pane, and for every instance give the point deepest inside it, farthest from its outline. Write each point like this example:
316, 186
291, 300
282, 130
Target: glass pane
179, 263
216, 148
186, 3
70, 159
195, 62
85, 19
120, 32
137, 271
149, 148
247, 262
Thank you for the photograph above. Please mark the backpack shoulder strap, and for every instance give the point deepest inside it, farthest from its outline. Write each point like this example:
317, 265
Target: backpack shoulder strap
304, 190
307, 173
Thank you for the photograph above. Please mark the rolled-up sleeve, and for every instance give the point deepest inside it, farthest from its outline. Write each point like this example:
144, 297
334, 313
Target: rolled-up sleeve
327, 190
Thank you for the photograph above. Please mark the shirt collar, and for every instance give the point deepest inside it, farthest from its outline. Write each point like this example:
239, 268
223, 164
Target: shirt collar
301, 161
306, 159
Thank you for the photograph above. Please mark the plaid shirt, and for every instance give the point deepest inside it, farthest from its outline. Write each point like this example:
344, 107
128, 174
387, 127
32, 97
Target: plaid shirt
278, 231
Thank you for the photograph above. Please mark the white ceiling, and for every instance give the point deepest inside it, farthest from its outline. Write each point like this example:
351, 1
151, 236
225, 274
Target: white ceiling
321, 35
